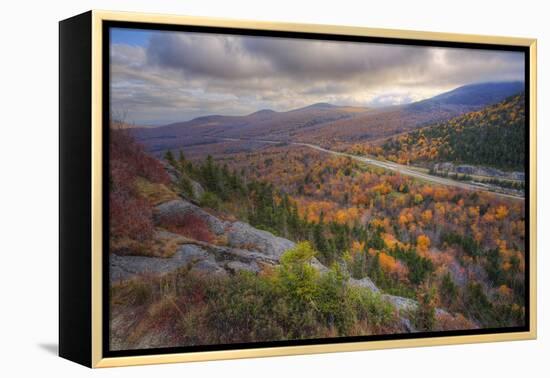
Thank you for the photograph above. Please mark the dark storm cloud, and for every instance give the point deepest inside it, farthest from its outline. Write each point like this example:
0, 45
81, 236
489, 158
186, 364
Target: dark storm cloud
333, 60
235, 58
209, 55
177, 76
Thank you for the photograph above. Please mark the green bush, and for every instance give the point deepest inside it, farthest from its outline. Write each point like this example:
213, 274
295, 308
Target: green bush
424, 316
210, 200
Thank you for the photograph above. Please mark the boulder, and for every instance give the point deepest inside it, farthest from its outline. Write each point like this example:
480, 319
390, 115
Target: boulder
171, 171
198, 256
401, 303
197, 189
366, 283
227, 254
317, 265
175, 176
125, 267
406, 308
207, 266
180, 207
242, 235
192, 252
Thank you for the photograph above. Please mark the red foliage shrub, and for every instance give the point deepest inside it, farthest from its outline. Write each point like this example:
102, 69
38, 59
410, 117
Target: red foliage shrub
189, 225
130, 215
124, 149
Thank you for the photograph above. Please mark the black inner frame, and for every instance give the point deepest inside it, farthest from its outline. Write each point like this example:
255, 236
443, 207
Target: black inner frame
301, 35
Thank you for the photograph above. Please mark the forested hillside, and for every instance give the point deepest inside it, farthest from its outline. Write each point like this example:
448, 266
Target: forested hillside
493, 136
464, 250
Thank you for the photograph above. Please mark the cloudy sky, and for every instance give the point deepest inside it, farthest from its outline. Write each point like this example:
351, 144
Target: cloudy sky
160, 77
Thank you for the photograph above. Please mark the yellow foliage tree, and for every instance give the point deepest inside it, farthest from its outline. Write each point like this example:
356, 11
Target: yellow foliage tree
426, 216
501, 212
423, 243
387, 262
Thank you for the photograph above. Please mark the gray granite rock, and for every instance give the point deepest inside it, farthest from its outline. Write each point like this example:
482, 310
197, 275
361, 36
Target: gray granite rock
197, 189
237, 266
181, 207
125, 267
207, 267
401, 303
366, 283
317, 265
242, 235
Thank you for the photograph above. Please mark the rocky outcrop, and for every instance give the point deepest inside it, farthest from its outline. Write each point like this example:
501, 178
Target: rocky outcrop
178, 208
175, 176
196, 256
400, 303
239, 234
171, 171
366, 283
125, 267
242, 235
198, 190
406, 309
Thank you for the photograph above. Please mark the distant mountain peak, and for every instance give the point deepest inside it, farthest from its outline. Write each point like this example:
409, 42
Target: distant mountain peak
321, 105
263, 112
476, 95
317, 106
481, 91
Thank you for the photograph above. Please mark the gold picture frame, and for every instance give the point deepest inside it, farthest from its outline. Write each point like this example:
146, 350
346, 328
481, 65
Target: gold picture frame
93, 25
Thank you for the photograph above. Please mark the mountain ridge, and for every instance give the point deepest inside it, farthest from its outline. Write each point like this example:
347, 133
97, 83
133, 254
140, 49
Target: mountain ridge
484, 137
327, 123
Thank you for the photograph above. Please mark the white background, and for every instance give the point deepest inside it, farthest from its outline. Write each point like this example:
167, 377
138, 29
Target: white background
29, 189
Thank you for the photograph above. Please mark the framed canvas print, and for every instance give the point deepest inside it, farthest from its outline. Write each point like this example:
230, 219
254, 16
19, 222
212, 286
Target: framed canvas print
235, 189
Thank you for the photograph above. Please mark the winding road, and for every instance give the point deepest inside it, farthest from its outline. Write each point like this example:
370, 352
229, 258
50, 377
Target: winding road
402, 169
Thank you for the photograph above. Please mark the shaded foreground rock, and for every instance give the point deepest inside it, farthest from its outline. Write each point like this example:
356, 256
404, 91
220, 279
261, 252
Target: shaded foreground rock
200, 257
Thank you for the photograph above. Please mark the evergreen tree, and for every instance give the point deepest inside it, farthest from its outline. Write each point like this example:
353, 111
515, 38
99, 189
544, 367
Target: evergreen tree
374, 269
209, 174
375, 240
185, 186
341, 242
424, 318
169, 157
319, 239
449, 290
182, 162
